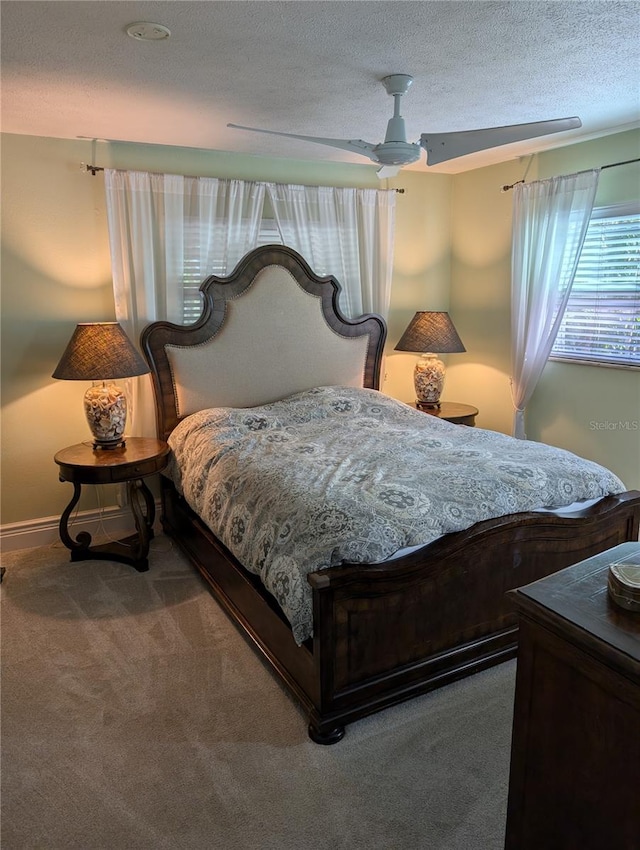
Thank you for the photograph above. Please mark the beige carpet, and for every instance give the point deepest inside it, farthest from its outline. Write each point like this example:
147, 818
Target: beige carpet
135, 716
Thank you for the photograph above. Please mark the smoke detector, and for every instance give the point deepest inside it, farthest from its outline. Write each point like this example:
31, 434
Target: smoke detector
146, 31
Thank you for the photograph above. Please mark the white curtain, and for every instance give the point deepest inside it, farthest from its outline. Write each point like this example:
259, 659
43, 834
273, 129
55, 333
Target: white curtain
151, 217
345, 232
550, 220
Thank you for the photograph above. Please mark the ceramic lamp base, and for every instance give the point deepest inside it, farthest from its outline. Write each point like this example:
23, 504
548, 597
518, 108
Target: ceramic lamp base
105, 406
428, 379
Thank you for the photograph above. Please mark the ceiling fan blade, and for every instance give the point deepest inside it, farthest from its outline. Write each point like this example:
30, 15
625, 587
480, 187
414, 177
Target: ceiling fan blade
441, 147
353, 145
388, 171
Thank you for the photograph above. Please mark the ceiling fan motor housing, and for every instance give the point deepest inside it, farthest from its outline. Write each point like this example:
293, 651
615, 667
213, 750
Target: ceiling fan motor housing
397, 153
396, 150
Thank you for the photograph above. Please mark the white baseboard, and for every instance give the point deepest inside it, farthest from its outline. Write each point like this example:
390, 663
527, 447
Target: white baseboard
114, 522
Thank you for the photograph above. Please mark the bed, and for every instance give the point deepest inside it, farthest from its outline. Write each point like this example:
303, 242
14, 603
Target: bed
272, 344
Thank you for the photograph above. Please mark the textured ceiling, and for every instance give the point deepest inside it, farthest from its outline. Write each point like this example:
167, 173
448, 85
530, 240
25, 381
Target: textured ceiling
70, 70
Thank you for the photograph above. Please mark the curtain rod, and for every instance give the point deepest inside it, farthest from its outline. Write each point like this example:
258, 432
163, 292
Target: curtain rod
616, 164
602, 168
95, 168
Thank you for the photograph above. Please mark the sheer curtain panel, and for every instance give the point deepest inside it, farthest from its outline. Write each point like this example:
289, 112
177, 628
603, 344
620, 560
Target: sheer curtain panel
161, 227
345, 232
550, 220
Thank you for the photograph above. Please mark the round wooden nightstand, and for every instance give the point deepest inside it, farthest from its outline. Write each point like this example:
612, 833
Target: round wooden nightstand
452, 411
129, 464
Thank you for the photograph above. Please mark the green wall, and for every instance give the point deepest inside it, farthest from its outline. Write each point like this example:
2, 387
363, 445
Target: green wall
56, 272
453, 243
593, 411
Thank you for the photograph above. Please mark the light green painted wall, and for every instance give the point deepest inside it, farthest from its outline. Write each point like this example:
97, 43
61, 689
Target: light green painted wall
453, 243
593, 411
56, 272
422, 269
479, 305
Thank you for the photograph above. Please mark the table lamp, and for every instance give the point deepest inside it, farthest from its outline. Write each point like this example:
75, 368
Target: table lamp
101, 351
430, 333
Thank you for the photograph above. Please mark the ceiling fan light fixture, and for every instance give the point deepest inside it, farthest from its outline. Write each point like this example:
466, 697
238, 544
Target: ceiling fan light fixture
147, 31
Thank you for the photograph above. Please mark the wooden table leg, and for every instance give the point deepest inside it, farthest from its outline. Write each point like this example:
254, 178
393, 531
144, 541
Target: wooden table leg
132, 550
83, 540
143, 509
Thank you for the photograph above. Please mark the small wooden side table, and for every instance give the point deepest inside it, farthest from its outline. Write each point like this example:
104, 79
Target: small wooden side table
452, 411
130, 464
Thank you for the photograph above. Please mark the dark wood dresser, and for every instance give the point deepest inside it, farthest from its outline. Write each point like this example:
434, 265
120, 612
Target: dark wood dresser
575, 758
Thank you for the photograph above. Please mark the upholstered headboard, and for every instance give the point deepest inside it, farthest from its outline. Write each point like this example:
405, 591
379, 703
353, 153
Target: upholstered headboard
270, 329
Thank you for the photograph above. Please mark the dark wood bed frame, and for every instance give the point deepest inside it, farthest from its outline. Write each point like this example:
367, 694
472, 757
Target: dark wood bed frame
382, 633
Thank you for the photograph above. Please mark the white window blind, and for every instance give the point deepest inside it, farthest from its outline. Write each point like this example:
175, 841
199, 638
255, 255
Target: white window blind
194, 274
601, 323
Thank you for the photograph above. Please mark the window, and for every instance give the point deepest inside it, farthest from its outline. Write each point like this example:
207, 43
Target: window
601, 323
194, 274
344, 232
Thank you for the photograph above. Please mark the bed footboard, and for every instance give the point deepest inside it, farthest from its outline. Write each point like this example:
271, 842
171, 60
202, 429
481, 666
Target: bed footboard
385, 633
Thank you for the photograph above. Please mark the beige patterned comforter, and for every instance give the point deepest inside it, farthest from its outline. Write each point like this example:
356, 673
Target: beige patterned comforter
335, 475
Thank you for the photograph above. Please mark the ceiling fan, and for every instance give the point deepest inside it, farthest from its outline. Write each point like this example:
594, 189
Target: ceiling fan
396, 151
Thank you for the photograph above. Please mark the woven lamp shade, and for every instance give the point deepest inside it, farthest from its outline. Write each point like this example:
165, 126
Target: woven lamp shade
431, 331
101, 351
